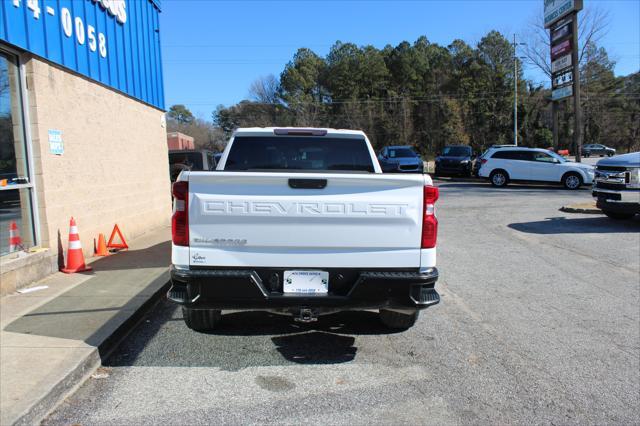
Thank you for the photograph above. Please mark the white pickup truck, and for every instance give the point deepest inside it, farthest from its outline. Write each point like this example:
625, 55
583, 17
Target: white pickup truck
302, 222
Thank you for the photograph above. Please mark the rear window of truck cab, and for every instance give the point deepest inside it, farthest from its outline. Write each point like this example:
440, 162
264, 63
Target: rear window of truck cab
308, 153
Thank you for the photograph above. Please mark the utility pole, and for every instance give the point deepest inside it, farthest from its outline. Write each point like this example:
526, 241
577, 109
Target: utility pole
515, 93
515, 89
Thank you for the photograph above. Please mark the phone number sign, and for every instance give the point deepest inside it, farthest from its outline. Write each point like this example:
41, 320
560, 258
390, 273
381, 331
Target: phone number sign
115, 42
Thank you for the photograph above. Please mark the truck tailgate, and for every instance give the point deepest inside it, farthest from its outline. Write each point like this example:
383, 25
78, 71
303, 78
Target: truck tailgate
259, 219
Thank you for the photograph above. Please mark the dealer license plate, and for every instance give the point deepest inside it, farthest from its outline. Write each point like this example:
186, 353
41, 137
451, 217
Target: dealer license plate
306, 282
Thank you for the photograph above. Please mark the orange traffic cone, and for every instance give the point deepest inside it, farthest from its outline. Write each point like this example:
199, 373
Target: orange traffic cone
75, 258
15, 242
102, 246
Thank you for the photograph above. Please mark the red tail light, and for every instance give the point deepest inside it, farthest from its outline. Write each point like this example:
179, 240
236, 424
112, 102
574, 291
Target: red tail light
429, 219
483, 160
180, 218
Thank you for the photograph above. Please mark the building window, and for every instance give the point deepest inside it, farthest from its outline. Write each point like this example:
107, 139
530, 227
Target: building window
16, 188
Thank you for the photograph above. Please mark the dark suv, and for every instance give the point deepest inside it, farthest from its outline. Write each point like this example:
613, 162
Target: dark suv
455, 160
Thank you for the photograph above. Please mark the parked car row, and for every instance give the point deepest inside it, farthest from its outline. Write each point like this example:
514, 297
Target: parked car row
500, 164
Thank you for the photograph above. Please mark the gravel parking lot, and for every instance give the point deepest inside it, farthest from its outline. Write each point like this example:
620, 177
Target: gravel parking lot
539, 323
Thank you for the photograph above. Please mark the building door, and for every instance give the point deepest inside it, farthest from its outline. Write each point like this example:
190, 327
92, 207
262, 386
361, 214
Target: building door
16, 186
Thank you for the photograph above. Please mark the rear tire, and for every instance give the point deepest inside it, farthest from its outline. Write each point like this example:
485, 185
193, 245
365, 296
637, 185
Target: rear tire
572, 181
618, 215
499, 178
201, 319
398, 321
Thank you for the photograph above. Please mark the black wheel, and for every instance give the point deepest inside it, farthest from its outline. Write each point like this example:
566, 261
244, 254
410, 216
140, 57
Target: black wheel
618, 215
609, 154
499, 178
572, 181
398, 321
201, 319
586, 155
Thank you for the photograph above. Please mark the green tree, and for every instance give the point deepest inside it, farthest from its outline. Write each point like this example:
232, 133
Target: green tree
301, 87
428, 96
180, 113
598, 98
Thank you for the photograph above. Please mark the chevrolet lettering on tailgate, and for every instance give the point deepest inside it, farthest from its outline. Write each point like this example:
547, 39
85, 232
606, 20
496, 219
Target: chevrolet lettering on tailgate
282, 208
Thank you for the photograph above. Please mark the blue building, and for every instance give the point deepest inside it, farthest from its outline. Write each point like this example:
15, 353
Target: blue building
82, 130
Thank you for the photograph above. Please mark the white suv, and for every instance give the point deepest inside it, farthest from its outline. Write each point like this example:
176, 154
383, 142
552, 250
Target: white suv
502, 165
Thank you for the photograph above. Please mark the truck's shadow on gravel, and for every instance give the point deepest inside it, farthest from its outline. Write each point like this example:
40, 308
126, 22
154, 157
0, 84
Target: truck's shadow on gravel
316, 347
244, 339
589, 225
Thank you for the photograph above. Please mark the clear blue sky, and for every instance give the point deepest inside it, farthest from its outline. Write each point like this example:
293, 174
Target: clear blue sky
213, 50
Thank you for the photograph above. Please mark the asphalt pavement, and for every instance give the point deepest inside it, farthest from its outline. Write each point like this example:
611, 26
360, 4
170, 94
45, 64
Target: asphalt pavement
539, 323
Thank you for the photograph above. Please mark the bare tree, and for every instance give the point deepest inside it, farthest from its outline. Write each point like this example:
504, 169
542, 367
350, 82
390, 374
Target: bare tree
593, 25
205, 134
265, 90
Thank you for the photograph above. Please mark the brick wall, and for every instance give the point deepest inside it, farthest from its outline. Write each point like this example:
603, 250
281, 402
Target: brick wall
114, 168
177, 140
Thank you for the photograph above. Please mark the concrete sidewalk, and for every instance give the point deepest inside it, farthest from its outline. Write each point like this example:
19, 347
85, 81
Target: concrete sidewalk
52, 339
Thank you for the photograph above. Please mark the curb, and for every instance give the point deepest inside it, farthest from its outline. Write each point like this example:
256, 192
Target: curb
78, 375
578, 209
58, 393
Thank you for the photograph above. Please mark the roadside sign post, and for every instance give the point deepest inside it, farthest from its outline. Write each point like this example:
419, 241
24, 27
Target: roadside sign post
577, 121
515, 93
515, 89
554, 113
561, 18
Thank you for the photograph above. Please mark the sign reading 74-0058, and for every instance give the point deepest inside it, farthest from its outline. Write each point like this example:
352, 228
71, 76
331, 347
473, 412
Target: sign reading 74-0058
84, 32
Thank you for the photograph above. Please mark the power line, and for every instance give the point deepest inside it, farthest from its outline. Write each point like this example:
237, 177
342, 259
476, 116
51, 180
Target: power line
435, 98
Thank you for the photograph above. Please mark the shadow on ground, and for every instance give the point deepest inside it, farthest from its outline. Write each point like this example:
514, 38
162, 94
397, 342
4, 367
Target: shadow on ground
100, 309
157, 256
244, 339
590, 225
